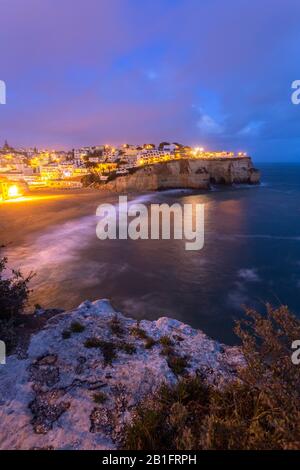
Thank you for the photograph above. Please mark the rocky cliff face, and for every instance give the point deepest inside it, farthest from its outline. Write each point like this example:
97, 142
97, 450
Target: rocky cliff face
85, 372
193, 173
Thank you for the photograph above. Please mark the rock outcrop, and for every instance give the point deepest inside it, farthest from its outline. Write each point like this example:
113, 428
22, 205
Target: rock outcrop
84, 373
187, 173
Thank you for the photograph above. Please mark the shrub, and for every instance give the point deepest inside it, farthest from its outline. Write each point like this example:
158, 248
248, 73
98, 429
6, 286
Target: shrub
159, 422
165, 341
14, 292
177, 364
77, 327
92, 342
108, 350
8, 334
138, 332
128, 348
99, 397
150, 342
116, 327
259, 410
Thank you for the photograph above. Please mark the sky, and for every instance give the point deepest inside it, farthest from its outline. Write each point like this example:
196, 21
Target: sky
211, 73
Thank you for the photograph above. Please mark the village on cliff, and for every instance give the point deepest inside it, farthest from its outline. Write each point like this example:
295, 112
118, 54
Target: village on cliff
65, 169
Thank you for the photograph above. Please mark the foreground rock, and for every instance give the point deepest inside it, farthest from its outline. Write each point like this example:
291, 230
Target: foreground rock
187, 173
84, 373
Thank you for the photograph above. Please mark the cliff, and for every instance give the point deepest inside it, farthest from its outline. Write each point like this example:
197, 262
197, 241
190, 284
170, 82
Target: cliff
187, 173
84, 373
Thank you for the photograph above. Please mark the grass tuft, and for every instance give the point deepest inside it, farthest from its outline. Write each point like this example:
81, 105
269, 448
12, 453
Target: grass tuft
177, 364
166, 341
92, 342
138, 332
150, 342
77, 327
108, 350
99, 397
116, 327
128, 348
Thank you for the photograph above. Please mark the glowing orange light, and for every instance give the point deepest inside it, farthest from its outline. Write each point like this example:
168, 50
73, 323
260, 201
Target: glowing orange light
13, 191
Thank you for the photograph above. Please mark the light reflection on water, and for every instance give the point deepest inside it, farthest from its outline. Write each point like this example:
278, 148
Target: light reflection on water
251, 255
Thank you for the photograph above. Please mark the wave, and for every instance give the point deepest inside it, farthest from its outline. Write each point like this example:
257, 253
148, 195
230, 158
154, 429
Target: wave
57, 246
60, 245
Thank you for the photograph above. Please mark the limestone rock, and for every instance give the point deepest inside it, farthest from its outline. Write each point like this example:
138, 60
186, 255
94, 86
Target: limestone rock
186, 173
78, 391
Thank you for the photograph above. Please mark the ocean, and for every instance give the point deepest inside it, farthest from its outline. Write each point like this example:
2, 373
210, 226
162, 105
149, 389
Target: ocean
251, 256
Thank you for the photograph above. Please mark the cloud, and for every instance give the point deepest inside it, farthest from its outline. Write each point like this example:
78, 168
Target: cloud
208, 125
249, 275
117, 68
253, 128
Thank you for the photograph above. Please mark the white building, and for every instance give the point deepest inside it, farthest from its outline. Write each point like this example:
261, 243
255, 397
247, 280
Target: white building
146, 154
130, 151
79, 155
170, 148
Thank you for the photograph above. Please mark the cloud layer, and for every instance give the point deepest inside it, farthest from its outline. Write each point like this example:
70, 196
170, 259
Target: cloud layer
211, 73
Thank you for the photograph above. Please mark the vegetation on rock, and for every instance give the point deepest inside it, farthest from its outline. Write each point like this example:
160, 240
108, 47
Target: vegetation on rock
14, 292
77, 327
260, 410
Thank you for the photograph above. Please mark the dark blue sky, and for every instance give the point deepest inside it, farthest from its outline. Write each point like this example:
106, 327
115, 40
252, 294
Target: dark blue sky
208, 72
